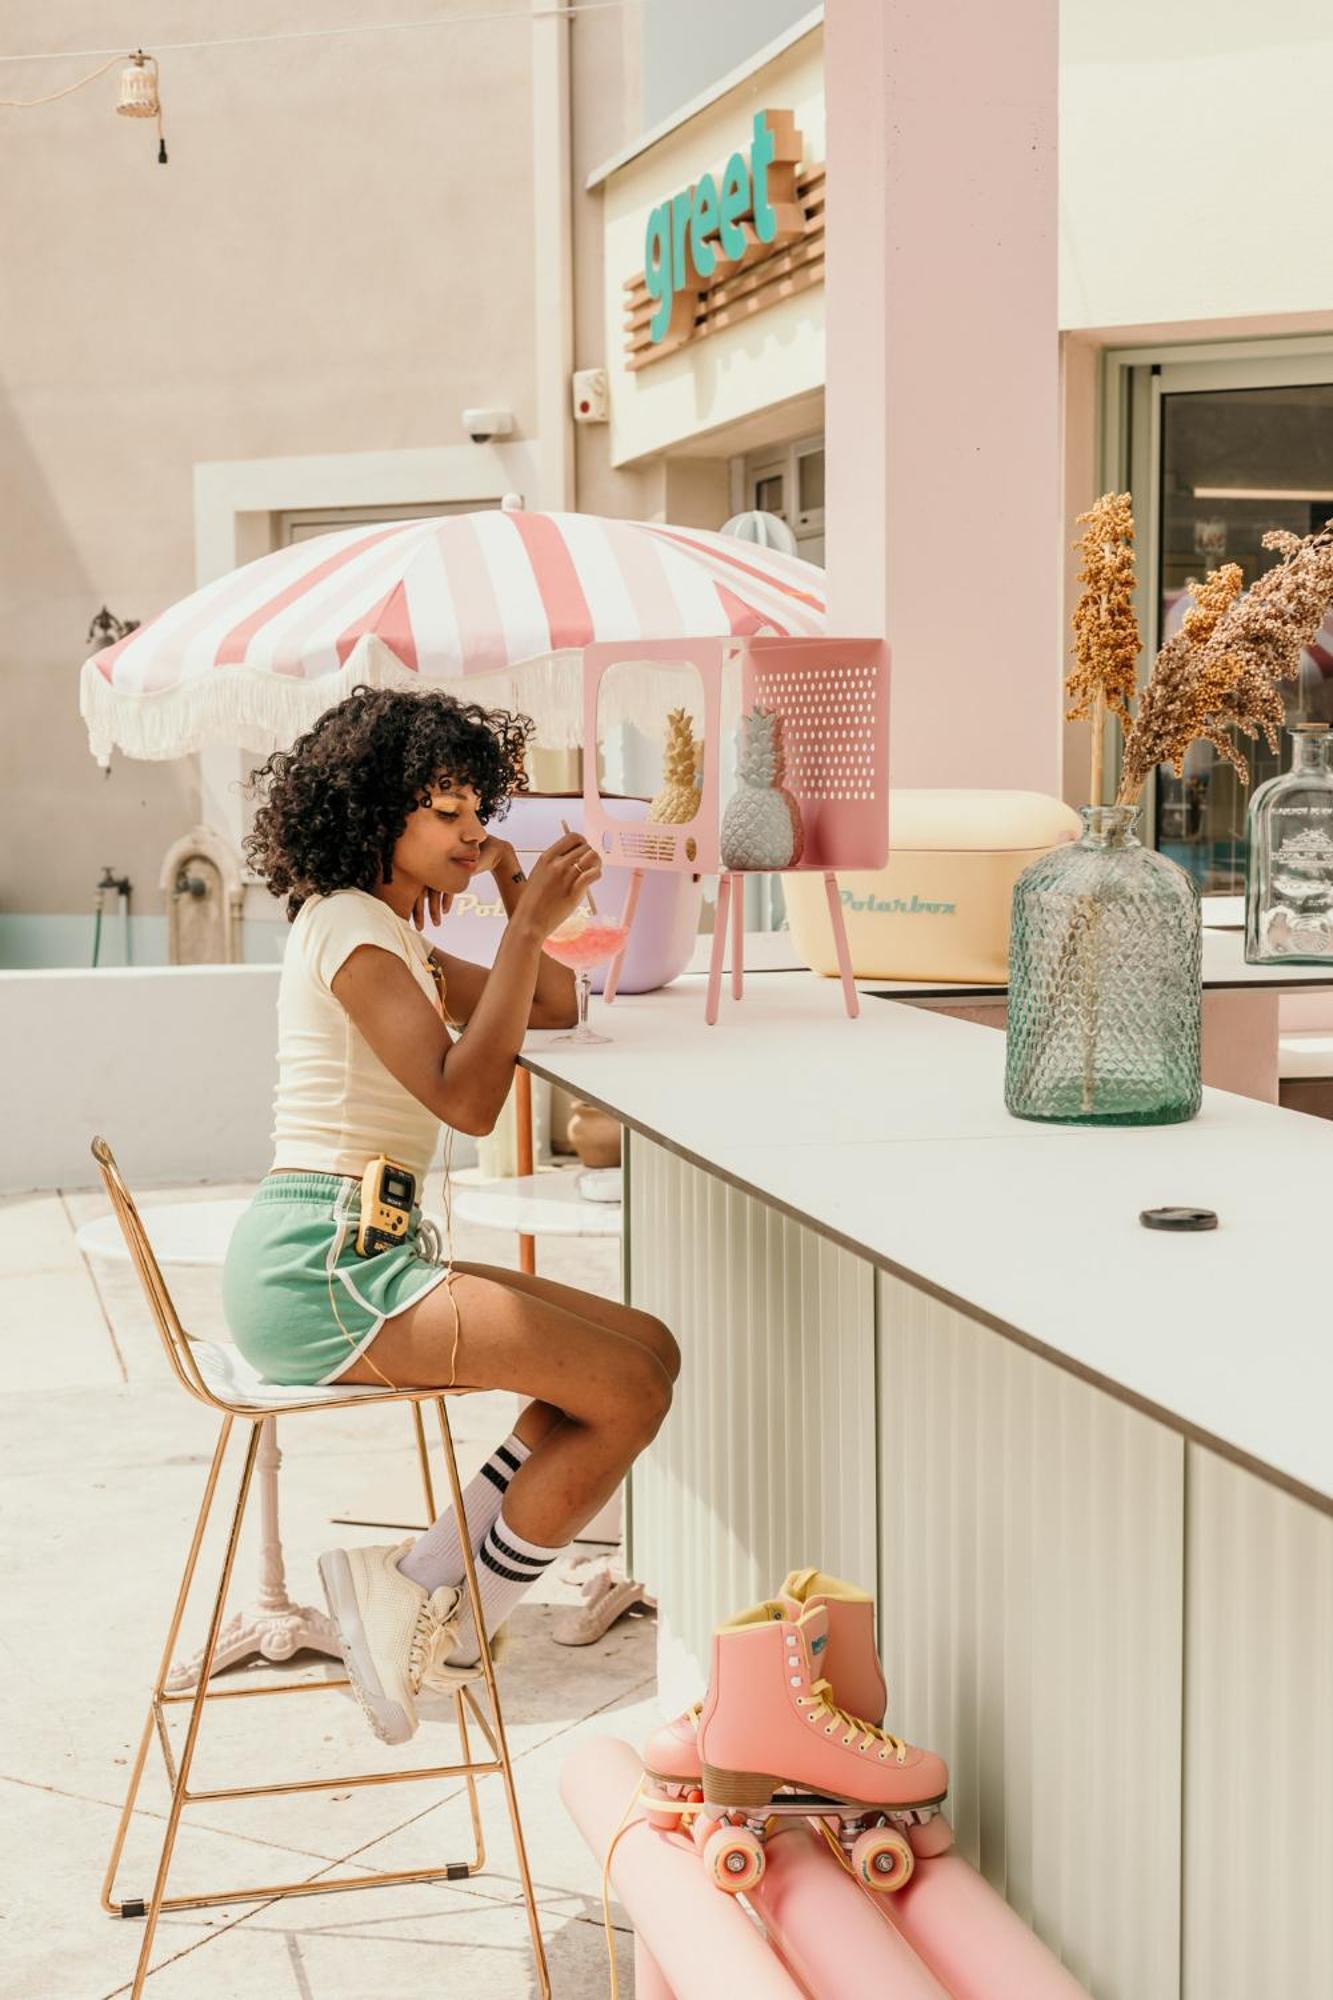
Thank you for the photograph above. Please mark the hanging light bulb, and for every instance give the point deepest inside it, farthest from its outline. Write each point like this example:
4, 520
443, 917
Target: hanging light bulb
138, 88
139, 97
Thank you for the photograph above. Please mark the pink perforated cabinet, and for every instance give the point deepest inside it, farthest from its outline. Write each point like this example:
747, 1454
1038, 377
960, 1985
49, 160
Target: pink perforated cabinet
833, 698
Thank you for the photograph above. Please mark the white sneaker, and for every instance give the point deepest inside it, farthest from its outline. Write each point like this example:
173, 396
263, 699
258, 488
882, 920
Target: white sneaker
391, 1632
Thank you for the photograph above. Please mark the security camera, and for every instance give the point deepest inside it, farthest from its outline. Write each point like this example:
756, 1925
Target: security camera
483, 425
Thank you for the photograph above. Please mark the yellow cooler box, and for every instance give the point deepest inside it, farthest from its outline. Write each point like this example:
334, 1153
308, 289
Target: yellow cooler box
939, 909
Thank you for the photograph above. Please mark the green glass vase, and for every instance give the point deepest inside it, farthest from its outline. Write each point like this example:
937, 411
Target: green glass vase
1105, 1001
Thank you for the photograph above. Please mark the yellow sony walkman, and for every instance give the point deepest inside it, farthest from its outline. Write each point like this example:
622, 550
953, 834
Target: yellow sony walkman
388, 1194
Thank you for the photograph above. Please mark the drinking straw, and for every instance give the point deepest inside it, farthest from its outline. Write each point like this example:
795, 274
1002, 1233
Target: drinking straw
592, 907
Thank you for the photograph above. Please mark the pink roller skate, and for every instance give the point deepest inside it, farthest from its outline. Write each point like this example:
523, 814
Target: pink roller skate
774, 1743
850, 1665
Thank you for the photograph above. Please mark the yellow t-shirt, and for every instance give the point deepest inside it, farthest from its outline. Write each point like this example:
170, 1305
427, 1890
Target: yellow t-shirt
337, 1106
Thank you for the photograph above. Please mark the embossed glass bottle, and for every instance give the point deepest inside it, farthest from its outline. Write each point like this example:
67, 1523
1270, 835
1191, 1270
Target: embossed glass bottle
1105, 1002
1289, 863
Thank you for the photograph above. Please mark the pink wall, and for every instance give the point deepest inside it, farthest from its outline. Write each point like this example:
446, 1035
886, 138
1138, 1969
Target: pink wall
944, 525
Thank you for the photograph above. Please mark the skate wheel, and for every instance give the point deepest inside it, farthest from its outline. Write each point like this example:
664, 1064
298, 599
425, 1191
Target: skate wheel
664, 1819
882, 1859
734, 1858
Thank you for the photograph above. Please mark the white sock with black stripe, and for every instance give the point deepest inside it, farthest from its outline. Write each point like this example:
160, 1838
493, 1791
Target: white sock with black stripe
507, 1568
437, 1557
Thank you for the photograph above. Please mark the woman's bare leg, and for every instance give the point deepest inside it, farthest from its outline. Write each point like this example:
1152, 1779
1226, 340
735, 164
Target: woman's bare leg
609, 1313
611, 1389
537, 1418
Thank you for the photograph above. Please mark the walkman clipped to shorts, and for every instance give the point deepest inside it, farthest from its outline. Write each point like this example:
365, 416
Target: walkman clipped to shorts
388, 1195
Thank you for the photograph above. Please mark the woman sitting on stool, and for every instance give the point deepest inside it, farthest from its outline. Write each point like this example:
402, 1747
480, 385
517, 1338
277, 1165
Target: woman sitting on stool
377, 816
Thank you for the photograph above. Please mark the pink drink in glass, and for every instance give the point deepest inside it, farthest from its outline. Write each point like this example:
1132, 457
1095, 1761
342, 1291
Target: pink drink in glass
593, 945
581, 942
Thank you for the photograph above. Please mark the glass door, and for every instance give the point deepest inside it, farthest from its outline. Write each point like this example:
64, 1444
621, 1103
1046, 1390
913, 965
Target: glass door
1217, 452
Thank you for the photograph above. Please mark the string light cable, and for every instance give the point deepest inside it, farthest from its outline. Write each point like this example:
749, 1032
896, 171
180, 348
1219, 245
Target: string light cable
487, 15
54, 96
139, 95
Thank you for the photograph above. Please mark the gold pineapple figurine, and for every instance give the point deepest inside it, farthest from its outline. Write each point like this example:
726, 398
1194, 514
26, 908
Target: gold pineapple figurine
678, 799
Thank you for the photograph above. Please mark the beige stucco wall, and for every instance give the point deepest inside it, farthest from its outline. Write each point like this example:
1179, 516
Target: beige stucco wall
605, 96
605, 93
338, 258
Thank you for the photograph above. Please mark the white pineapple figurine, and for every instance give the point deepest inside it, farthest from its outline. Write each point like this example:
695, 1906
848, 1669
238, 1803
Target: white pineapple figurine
761, 827
678, 800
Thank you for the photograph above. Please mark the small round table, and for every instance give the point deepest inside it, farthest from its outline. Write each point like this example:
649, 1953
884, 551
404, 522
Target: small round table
550, 1204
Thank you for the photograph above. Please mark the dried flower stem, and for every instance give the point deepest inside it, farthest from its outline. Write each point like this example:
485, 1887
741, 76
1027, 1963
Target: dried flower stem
1106, 630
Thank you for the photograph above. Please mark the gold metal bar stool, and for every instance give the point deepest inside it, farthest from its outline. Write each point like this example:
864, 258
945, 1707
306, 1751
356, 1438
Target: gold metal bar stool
217, 1376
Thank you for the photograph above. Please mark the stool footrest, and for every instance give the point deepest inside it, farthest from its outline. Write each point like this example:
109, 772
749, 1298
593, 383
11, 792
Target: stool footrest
262, 1892
191, 1798
187, 1695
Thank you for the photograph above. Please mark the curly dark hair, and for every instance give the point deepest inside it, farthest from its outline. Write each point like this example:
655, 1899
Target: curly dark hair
334, 805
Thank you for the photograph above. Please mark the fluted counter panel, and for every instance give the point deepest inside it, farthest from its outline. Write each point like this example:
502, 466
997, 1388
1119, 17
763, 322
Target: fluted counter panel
1031, 1581
1258, 1770
767, 1460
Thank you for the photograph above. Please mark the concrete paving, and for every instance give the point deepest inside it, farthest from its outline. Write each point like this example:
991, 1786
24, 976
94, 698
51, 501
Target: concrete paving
102, 1459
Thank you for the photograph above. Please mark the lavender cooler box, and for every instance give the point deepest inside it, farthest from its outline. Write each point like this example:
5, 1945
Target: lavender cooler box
665, 926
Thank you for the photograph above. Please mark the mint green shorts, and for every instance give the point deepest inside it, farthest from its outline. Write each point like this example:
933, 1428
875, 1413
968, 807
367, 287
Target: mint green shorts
292, 1255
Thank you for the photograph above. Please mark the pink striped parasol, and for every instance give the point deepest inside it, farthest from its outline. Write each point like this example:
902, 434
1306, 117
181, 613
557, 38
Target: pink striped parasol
494, 605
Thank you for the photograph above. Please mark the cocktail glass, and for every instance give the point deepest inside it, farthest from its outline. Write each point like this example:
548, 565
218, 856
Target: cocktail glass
581, 942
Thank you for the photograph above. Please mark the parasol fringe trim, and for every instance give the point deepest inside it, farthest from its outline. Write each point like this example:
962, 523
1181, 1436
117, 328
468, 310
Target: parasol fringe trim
248, 708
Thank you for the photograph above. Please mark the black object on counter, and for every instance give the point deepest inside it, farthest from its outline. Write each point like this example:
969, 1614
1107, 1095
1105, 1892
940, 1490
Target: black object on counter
1179, 1218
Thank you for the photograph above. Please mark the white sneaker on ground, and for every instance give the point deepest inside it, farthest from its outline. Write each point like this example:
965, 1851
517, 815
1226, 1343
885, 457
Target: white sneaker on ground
391, 1631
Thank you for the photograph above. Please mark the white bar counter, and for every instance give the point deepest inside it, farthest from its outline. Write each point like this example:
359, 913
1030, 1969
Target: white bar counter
889, 1136
1085, 1467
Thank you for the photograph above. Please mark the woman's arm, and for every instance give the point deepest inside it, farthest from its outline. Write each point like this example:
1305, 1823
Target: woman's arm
554, 1000
465, 1083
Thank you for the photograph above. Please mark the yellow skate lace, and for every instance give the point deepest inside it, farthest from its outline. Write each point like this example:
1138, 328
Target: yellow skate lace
821, 1705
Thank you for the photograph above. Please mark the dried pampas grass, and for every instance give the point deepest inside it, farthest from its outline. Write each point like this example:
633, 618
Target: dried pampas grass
1222, 670
1106, 630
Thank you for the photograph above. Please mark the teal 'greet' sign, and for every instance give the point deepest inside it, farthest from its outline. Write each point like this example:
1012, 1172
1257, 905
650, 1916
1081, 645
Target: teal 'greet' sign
708, 230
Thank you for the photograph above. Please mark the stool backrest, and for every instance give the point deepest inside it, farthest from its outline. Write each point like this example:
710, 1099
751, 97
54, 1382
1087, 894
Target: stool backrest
172, 1334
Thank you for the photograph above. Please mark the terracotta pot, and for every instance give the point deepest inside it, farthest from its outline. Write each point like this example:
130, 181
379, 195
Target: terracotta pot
595, 1136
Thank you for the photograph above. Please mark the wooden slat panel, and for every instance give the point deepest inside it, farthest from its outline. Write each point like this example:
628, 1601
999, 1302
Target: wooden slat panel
711, 312
803, 280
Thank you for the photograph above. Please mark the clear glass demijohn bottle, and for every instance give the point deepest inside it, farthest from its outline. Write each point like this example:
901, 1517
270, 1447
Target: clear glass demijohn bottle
1289, 863
1105, 1007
